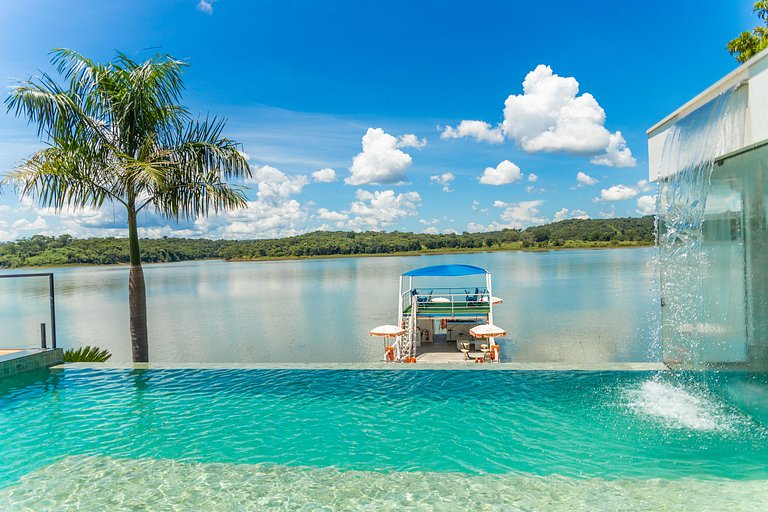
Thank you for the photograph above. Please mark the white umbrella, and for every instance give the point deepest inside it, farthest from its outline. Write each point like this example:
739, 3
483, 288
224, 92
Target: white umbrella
387, 331
487, 331
494, 300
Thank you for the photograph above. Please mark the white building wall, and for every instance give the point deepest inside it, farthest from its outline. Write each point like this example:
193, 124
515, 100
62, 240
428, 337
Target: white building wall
755, 74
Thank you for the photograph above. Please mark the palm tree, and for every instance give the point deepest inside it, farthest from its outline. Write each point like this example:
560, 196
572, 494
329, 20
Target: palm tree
115, 133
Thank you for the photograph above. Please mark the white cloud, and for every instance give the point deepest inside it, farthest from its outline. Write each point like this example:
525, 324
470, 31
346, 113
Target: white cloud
617, 154
521, 215
514, 216
551, 116
646, 205
585, 179
410, 140
205, 6
326, 175
37, 224
377, 210
503, 174
645, 186
565, 213
444, 179
259, 219
617, 193
478, 130
533, 178
275, 184
273, 214
380, 161
331, 215
431, 231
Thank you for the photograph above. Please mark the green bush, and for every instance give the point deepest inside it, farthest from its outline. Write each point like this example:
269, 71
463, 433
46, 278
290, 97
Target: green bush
86, 354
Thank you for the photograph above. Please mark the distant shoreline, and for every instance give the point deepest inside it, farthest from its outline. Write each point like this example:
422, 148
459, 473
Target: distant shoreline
436, 252
65, 250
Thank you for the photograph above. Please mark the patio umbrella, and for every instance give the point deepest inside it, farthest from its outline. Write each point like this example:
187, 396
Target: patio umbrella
387, 331
494, 300
487, 331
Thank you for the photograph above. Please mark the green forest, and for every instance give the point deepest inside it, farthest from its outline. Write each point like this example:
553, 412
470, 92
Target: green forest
41, 250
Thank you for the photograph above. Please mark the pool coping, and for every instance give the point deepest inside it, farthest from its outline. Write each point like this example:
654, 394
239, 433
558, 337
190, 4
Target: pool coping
15, 361
589, 367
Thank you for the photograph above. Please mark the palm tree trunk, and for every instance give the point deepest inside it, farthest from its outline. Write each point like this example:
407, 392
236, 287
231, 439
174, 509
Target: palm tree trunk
137, 294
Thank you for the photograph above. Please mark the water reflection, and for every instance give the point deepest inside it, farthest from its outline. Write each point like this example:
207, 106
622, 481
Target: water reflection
571, 306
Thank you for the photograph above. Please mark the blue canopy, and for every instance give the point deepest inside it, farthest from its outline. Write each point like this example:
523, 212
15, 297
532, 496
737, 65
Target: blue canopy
446, 270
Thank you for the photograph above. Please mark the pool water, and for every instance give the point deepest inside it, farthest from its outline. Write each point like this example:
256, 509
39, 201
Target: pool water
253, 439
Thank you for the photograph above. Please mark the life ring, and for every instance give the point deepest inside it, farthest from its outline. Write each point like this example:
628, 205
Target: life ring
389, 353
494, 352
443, 323
402, 324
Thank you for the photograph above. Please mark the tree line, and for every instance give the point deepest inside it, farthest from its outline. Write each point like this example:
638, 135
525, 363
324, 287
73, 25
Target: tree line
41, 250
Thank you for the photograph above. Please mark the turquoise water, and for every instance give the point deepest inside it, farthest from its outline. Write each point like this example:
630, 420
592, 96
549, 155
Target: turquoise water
571, 306
382, 439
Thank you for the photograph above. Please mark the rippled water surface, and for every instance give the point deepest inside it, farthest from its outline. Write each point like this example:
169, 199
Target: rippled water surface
250, 439
572, 306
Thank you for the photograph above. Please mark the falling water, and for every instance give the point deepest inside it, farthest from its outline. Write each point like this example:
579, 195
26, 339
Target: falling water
690, 148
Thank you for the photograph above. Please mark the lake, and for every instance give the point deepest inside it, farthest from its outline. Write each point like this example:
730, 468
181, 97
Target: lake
559, 306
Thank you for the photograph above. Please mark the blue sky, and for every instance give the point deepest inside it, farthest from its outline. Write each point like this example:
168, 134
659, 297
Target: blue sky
396, 115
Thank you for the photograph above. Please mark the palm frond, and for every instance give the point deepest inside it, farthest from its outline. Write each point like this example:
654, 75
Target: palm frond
86, 354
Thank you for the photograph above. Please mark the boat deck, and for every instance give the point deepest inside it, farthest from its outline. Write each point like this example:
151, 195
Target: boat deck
443, 351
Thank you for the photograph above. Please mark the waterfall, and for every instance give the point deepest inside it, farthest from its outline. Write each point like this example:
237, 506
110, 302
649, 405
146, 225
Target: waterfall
688, 158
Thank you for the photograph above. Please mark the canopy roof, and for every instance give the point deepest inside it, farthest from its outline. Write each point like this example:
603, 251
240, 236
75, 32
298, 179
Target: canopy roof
446, 270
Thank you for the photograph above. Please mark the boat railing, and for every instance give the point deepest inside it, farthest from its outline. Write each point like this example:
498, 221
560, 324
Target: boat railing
446, 300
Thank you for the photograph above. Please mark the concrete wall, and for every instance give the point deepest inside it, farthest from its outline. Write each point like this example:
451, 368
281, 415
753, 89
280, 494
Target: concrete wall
755, 74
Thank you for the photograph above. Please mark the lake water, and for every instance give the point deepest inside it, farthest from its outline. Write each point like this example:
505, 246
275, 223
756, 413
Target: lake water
559, 306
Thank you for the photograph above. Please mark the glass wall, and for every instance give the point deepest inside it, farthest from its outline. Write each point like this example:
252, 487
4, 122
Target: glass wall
715, 293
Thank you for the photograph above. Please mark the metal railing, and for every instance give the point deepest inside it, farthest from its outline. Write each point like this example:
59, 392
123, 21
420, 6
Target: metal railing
49, 275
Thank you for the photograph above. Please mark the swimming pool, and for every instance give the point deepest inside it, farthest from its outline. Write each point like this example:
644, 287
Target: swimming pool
241, 439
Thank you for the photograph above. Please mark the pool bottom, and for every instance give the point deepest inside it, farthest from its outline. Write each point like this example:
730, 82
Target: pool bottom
96, 483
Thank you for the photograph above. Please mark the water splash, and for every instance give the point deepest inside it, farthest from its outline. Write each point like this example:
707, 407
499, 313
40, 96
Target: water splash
679, 406
691, 146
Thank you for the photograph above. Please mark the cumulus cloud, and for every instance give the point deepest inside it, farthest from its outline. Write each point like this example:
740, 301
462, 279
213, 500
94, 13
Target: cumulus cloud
617, 193
503, 174
565, 214
377, 210
410, 140
478, 130
205, 6
585, 179
513, 216
645, 186
617, 154
444, 179
331, 215
274, 213
550, 115
326, 175
275, 184
380, 161
646, 205
533, 178
259, 219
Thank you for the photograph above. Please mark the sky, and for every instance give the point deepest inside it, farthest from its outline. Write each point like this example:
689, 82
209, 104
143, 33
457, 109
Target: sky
411, 115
